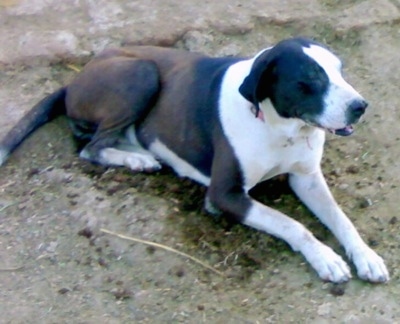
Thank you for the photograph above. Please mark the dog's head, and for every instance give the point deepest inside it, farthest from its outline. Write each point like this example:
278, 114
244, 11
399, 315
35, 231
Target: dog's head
303, 80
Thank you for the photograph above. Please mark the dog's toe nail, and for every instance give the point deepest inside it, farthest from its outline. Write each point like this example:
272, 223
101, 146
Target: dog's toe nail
383, 278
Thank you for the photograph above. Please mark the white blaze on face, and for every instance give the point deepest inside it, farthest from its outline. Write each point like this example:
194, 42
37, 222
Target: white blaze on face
339, 95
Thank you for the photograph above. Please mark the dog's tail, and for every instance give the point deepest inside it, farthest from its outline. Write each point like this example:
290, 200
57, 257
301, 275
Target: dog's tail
48, 108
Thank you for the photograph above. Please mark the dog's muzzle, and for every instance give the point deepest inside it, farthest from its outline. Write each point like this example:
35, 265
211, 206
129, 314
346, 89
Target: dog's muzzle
354, 112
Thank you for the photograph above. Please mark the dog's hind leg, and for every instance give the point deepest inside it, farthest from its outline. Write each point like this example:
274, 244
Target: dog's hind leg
120, 149
105, 103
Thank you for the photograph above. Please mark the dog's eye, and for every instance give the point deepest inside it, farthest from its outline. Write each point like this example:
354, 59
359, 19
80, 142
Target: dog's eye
304, 87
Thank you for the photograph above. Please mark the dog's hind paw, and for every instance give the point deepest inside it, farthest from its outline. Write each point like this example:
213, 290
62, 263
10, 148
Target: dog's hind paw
370, 266
141, 162
136, 161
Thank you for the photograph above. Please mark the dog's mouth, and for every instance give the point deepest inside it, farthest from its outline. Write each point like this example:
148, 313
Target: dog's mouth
345, 131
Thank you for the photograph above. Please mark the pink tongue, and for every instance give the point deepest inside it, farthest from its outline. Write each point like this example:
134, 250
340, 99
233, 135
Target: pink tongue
346, 131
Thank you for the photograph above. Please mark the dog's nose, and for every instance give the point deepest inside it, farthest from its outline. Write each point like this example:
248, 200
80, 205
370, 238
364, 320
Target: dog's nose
357, 108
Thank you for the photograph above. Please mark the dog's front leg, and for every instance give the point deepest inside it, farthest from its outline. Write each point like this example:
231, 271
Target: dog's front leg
314, 192
323, 259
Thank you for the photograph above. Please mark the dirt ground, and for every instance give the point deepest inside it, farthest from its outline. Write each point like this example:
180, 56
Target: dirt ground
56, 266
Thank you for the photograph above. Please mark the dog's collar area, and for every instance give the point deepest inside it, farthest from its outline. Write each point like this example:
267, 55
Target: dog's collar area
258, 113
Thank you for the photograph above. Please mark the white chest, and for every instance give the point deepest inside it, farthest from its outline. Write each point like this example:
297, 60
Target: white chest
273, 155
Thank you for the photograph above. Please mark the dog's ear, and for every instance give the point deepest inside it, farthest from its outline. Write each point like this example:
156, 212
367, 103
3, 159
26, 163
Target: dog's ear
257, 86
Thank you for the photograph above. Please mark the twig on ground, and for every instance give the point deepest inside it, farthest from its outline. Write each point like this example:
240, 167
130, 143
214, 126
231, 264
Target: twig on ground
8, 205
12, 269
164, 247
4, 186
73, 67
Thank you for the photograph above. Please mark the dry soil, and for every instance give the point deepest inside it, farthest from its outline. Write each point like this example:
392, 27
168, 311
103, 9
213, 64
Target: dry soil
56, 266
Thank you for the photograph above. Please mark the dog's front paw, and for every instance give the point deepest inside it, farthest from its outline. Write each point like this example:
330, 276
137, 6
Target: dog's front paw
370, 266
329, 265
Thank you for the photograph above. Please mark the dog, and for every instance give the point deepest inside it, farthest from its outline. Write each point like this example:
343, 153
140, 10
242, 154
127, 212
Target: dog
228, 123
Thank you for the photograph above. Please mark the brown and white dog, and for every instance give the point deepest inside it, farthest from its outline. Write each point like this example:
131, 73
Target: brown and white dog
227, 123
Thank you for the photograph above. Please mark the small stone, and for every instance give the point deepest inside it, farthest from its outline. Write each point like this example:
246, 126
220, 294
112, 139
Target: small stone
365, 203
121, 293
150, 249
86, 232
72, 195
102, 262
32, 172
373, 242
178, 271
337, 290
63, 291
353, 169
